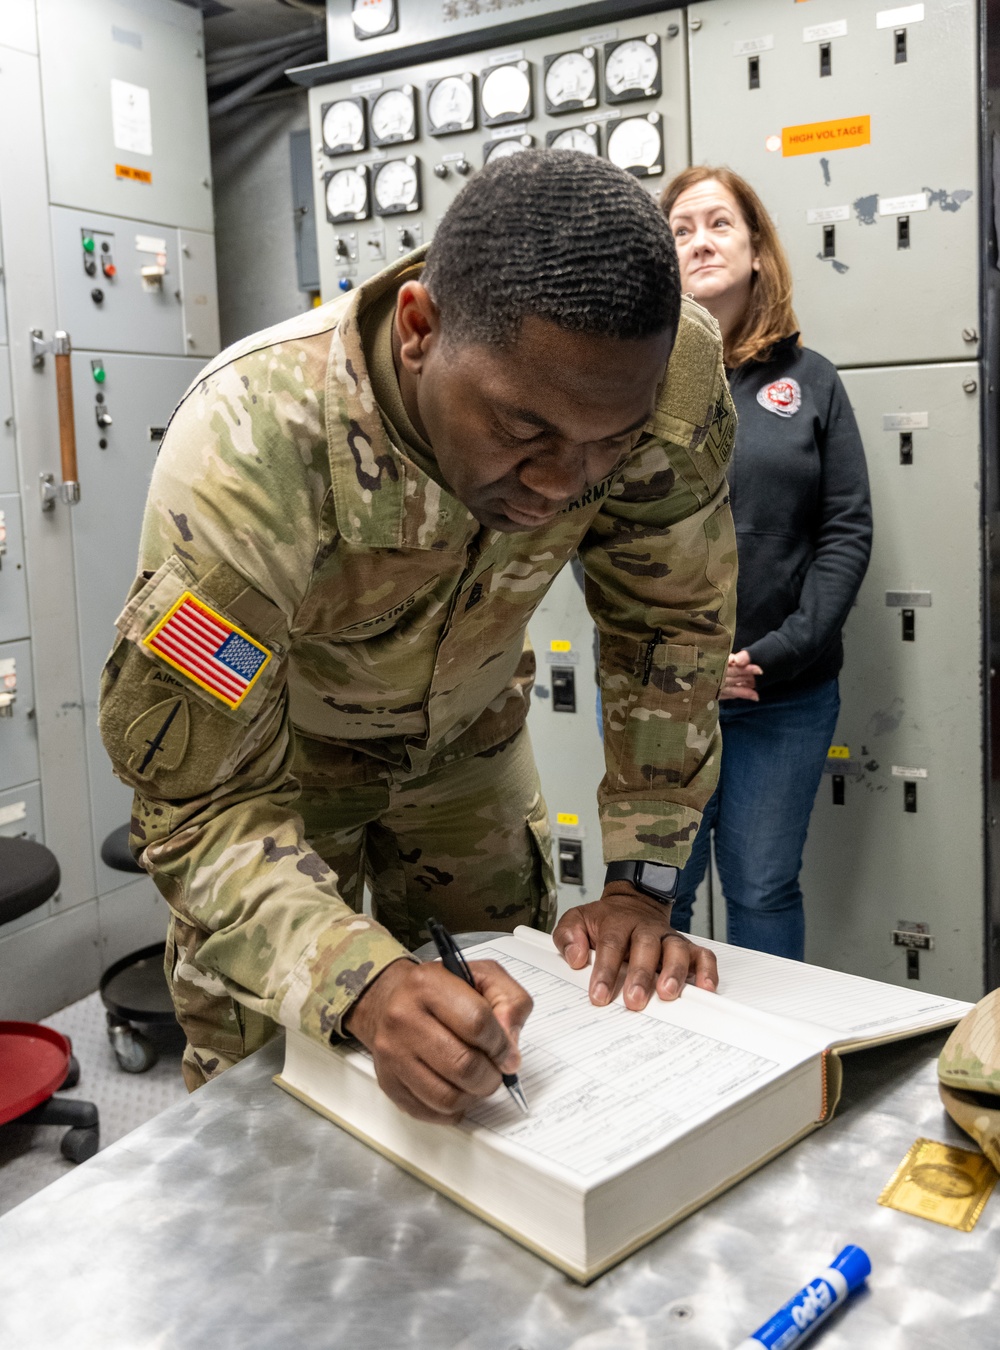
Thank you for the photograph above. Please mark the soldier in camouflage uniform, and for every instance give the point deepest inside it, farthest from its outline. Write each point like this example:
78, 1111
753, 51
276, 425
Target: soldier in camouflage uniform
322, 672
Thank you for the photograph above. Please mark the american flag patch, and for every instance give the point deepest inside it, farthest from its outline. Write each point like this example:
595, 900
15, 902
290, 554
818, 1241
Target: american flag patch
208, 649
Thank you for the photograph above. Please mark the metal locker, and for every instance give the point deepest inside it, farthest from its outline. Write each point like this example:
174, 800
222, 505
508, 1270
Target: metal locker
13, 584
874, 191
896, 839
18, 734
138, 394
198, 293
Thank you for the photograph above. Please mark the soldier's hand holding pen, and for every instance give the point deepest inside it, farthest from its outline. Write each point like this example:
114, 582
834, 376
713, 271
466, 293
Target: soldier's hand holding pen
440, 1046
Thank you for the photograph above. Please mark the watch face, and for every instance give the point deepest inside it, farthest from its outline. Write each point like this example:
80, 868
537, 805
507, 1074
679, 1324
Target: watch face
632, 69
582, 138
658, 878
636, 144
511, 145
571, 81
505, 93
451, 105
347, 194
396, 186
393, 116
343, 126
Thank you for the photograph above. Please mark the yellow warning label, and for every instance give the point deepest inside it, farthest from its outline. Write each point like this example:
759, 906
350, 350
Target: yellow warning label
560, 645
810, 138
567, 818
838, 752
137, 175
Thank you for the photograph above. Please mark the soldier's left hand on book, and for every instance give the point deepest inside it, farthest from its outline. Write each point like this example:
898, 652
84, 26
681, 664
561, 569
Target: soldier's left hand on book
626, 926
440, 1046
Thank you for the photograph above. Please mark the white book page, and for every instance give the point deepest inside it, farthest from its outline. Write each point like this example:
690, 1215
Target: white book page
846, 1007
607, 1086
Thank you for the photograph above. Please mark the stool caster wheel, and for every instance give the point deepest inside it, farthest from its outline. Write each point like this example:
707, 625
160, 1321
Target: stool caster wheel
80, 1144
134, 1052
72, 1074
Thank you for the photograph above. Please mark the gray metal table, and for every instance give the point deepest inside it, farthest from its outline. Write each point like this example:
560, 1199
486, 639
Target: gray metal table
240, 1218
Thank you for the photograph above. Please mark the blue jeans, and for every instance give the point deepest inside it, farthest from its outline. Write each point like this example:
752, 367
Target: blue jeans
772, 762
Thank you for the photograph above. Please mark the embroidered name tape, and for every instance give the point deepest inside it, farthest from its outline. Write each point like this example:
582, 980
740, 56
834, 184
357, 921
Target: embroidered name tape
783, 397
208, 649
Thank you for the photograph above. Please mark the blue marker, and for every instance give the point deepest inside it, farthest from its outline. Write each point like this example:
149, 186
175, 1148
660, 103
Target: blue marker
814, 1302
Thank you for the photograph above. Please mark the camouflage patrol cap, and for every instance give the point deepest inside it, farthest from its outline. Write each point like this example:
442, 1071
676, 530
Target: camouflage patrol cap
969, 1074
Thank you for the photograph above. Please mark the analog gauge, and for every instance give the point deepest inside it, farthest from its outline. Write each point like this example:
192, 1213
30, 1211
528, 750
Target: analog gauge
636, 144
583, 139
632, 69
451, 105
347, 194
373, 17
396, 186
344, 126
505, 94
571, 81
393, 116
510, 145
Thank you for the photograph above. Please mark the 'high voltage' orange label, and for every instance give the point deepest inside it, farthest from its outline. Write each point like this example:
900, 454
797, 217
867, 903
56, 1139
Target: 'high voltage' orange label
812, 137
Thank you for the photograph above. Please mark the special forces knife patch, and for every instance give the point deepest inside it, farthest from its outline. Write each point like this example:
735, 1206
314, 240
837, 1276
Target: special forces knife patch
208, 649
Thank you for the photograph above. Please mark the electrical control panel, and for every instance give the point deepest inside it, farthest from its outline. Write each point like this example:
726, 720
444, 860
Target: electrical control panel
390, 151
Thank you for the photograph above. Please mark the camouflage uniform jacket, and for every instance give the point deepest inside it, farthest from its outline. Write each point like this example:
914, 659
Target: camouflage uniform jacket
393, 628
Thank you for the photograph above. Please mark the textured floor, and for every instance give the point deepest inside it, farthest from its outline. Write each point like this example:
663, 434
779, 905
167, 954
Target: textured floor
29, 1155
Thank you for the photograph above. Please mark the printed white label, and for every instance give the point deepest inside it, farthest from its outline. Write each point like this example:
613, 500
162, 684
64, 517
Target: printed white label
605, 35
750, 45
899, 772
902, 206
898, 18
915, 421
148, 243
819, 32
16, 811
131, 123
502, 58
516, 129
366, 86
569, 831
823, 215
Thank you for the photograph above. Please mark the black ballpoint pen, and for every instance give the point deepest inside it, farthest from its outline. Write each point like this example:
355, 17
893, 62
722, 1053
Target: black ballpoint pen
455, 963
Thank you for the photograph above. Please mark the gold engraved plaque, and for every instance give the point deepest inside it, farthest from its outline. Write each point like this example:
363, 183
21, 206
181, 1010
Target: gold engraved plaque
942, 1183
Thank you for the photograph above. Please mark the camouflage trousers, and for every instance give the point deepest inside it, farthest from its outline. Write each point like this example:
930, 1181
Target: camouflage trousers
468, 844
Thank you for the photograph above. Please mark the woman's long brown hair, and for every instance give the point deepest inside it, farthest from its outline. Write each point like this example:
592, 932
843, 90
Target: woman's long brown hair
769, 316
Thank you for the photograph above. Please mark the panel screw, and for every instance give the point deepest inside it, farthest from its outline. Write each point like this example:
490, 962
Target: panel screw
969, 335
969, 386
694, 25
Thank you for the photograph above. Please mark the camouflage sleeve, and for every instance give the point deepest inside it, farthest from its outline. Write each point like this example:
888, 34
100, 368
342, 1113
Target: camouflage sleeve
231, 532
660, 560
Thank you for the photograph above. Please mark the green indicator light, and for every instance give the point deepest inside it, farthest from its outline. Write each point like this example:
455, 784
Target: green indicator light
97, 370
88, 243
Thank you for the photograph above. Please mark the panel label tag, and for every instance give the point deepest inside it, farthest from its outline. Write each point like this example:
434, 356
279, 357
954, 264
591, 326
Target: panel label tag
899, 771
902, 206
750, 45
898, 18
819, 32
912, 421
825, 215
812, 138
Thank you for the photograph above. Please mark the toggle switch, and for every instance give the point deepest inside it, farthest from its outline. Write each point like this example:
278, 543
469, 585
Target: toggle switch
829, 242
563, 689
825, 59
902, 231
906, 447
753, 72
899, 46
910, 798
102, 416
571, 862
838, 789
910, 627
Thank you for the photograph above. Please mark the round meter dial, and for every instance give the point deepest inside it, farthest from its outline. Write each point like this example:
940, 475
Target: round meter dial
347, 194
372, 17
632, 69
505, 94
451, 105
396, 186
583, 139
636, 144
344, 126
571, 81
394, 116
511, 145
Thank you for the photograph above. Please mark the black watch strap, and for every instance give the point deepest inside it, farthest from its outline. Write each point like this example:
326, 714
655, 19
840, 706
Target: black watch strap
657, 880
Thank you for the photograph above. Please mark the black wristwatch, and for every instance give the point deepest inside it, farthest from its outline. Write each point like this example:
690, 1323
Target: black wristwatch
656, 880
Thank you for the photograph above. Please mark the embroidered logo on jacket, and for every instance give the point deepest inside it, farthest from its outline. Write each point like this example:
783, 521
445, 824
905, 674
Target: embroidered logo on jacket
209, 650
783, 397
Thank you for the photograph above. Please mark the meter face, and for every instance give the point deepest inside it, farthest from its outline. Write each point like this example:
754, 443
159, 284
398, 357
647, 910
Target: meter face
583, 139
451, 105
394, 116
372, 17
636, 144
632, 69
344, 126
397, 187
506, 94
513, 146
347, 194
571, 81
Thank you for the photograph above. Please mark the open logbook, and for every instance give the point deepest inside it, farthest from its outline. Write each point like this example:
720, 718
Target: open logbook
636, 1118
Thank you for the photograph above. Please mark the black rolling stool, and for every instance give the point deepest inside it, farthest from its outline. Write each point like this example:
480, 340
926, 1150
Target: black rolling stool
134, 990
35, 1061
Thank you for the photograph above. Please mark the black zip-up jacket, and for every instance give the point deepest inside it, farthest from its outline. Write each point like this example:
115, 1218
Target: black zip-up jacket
802, 508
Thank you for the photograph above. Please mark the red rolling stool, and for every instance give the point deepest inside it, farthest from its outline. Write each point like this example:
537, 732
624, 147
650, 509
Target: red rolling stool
35, 1061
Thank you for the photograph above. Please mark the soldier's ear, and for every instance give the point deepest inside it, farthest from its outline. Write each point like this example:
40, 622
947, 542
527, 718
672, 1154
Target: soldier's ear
417, 324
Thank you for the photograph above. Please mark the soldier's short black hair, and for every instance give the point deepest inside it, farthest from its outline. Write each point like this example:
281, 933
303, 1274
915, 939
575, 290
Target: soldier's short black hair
558, 234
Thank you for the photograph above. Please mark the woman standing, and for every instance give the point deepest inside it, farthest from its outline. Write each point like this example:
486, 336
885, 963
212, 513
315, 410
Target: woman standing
800, 500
